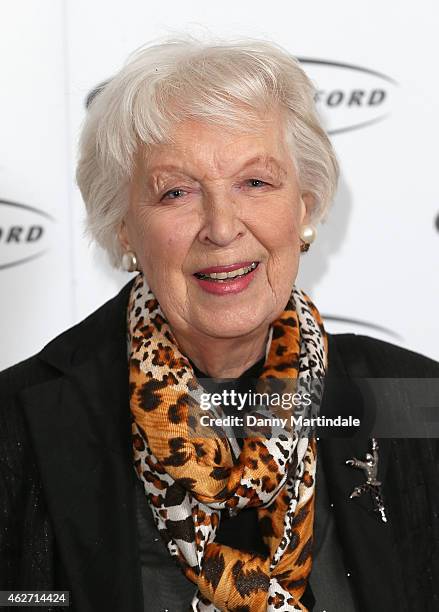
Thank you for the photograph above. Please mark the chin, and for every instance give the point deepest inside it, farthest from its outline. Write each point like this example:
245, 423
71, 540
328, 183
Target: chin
234, 323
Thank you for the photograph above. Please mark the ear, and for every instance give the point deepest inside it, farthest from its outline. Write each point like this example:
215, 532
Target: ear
307, 205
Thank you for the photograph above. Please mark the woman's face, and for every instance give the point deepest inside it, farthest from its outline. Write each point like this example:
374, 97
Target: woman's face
217, 202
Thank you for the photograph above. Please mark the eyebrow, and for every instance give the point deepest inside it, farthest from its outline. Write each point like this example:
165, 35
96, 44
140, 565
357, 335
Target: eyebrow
268, 161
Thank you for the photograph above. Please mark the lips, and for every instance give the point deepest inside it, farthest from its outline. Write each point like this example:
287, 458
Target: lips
226, 268
227, 272
227, 280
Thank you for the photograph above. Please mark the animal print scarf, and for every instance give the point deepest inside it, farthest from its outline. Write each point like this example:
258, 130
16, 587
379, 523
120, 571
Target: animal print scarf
190, 475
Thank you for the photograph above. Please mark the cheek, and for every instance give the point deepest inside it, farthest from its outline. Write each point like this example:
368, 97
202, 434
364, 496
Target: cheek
280, 227
281, 239
163, 241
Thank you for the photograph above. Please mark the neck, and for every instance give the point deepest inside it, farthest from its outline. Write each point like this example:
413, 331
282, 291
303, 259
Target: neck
224, 357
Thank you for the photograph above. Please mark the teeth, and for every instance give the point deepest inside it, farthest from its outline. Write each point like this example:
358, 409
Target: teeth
225, 275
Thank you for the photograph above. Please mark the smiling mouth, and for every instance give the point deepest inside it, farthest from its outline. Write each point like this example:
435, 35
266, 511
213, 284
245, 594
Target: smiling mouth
223, 277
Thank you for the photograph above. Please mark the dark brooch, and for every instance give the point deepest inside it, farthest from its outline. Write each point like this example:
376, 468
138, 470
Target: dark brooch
372, 485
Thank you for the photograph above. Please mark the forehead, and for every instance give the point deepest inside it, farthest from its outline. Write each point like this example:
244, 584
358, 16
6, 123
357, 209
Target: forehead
216, 150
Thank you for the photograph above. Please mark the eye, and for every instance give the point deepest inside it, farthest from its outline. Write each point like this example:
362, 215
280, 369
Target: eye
173, 194
256, 182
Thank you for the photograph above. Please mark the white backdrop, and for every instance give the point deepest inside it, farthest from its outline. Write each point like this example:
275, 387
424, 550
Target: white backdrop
375, 263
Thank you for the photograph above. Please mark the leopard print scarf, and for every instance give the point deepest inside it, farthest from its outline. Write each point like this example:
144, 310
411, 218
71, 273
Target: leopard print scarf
189, 480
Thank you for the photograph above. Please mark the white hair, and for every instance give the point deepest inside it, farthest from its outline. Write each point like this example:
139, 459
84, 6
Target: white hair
228, 83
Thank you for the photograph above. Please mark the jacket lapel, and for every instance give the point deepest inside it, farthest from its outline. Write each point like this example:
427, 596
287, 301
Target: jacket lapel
368, 544
80, 426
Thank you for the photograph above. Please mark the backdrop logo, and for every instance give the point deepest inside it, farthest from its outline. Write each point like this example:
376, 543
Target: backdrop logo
23, 233
349, 97
361, 324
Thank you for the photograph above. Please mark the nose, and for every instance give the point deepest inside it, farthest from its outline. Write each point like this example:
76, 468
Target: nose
221, 222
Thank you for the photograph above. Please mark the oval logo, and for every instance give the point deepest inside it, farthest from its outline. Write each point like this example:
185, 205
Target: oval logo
361, 324
349, 97
23, 233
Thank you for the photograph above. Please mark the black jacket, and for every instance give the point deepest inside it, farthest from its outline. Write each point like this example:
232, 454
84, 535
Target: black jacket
66, 476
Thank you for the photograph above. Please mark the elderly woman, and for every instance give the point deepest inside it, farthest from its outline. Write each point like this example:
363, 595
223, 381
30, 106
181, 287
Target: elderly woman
204, 168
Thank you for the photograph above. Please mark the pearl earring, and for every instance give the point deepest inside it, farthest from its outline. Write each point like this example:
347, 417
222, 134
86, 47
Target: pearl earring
129, 261
308, 234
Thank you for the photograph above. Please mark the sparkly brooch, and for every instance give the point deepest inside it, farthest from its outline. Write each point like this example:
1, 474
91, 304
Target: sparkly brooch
372, 485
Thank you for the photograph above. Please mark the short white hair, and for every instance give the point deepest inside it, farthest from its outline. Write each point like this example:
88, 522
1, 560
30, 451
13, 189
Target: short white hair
228, 83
